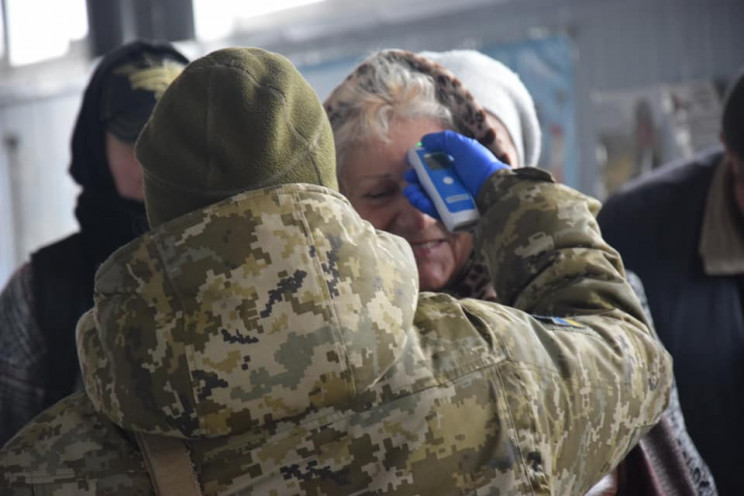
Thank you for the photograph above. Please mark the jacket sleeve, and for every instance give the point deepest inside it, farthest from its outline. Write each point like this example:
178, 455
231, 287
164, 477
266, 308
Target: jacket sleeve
21, 352
584, 375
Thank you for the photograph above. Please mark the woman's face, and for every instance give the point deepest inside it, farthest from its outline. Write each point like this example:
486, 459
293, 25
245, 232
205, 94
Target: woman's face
125, 169
372, 180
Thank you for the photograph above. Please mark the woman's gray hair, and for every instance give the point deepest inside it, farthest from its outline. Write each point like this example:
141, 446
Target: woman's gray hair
390, 91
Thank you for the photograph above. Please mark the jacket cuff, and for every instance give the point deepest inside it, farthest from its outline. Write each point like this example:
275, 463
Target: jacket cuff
497, 182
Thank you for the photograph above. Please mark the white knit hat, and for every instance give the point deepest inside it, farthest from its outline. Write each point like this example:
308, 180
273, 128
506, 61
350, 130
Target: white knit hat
500, 91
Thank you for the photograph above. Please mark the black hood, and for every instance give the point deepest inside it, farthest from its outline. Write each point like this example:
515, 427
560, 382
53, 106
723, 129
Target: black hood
106, 220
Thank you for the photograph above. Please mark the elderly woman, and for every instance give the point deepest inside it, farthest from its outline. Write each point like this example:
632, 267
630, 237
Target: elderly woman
382, 109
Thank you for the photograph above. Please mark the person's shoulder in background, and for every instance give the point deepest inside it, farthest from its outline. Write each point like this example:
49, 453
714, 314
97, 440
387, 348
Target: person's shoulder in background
675, 191
21, 350
667, 182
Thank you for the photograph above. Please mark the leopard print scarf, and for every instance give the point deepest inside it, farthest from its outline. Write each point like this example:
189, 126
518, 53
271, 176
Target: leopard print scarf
474, 281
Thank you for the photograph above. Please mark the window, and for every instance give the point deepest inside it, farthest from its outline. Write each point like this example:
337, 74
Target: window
39, 30
2, 33
215, 19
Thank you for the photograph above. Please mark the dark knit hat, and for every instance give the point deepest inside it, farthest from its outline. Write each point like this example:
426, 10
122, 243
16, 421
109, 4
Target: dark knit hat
131, 90
237, 119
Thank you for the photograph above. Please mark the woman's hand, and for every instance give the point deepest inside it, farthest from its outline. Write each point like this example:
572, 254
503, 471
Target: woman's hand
473, 163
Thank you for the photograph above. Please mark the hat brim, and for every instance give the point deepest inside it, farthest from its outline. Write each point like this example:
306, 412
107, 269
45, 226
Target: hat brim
127, 126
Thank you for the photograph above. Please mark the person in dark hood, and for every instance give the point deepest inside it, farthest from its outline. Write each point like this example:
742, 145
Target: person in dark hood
42, 302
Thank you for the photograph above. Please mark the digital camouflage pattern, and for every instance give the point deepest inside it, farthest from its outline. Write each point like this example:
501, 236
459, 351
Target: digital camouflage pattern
286, 341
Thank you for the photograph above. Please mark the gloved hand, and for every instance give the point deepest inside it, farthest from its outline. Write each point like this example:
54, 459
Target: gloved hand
474, 163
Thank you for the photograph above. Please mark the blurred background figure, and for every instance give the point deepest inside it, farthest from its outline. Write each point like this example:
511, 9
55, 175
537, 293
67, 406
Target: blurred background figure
42, 302
681, 230
646, 139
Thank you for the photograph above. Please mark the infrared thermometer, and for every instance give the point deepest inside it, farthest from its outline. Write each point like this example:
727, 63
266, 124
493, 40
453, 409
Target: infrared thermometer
453, 202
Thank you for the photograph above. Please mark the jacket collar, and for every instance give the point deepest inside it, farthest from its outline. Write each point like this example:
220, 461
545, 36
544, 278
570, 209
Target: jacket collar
721, 243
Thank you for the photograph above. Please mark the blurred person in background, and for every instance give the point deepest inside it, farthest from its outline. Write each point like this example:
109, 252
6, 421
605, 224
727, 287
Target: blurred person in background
380, 112
262, 338
681, 229
42, 302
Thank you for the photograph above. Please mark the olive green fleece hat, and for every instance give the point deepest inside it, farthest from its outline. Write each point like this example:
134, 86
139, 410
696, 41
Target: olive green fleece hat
237, 119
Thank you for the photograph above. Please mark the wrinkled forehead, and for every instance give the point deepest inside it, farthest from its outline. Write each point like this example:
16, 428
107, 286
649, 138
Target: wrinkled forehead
468, 115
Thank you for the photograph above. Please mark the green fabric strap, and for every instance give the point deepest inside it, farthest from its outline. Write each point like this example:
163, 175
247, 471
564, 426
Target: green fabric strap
169, 464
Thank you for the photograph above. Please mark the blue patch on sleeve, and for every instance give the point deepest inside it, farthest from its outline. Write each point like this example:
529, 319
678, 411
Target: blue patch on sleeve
558, 321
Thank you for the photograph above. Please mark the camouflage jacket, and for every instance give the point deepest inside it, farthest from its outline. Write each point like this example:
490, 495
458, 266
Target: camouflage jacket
286, 341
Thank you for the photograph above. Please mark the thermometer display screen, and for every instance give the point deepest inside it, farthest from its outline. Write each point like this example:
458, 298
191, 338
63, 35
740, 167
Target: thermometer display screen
438, 160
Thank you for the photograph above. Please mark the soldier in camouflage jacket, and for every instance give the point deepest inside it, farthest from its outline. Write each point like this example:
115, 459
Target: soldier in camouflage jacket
284, 342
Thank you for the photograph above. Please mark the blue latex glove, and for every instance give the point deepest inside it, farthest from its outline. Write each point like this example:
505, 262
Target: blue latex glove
474, 163
417, 196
